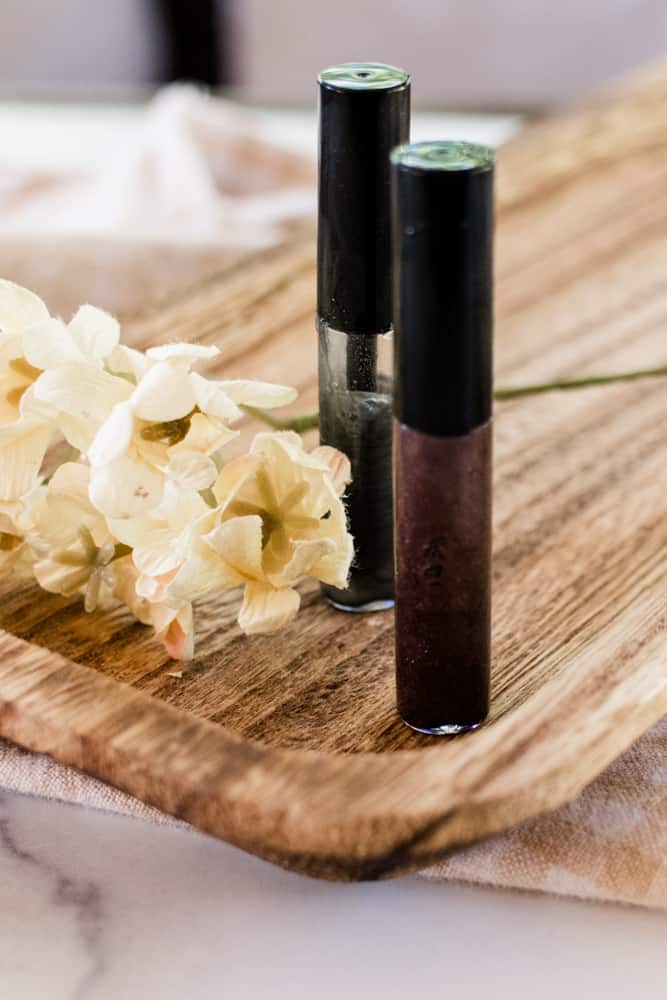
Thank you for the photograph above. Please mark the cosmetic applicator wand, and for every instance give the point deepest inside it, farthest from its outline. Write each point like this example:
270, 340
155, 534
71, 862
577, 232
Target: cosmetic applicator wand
364, 114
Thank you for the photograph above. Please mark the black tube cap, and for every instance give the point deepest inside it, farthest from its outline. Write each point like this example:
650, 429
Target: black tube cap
442, 203
364, 114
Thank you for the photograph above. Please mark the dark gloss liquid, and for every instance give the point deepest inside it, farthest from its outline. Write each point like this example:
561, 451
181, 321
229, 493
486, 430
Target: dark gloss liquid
443, 578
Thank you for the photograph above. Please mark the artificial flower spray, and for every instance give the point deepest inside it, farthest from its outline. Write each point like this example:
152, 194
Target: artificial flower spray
443, 242
145, 511
364, 114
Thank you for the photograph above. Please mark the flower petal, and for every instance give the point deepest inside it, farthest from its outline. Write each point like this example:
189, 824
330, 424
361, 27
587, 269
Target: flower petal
202, 573
10, 513
278, 445
159, 557
239, 543
212, 398
305, 554
16, 555
205, 435
127, 363
35, 409
95, 332
192, 470
20, 309
65, 509
264, 395
292, 468
48, 345
86, 394
72, 478
338, 464
114, 436
58, 578
174, 626
125, 487
153, 589
125, 576
136, 531
164, 393
334, 566
178, 509
183, 352
22, 449
234, 476
266, 609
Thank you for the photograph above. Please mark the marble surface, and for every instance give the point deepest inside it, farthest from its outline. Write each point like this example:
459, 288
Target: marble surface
102, 907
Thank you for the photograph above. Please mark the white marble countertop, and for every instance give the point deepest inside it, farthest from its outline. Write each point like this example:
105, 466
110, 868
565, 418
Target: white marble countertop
102, 907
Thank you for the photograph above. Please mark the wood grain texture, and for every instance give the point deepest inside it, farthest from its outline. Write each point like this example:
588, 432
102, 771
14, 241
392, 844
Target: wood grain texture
289, 746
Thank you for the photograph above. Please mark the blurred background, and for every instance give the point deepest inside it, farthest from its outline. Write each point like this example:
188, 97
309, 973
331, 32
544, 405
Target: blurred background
120, 186
514, 54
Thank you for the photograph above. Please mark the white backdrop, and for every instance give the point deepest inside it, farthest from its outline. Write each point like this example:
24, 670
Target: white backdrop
494, 54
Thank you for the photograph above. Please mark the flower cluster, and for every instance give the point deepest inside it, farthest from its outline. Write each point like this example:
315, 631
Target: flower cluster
147, 512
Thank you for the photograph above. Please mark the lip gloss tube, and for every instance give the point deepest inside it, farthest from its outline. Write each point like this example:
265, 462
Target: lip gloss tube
364, 114
442, 200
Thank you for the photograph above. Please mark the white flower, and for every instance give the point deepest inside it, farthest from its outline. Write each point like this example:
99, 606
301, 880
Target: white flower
23, 445
168, 428
44, 362
145, 517
23, 441
77, 554
161, 538
21, 313
16, 527
174, 627
78, 389
280, 519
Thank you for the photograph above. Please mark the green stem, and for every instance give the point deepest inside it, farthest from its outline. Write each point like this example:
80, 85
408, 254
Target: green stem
304, 422
309, 421
518, 392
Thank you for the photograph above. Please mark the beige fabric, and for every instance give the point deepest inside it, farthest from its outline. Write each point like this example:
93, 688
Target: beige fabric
199, 184
198, 175
611, 842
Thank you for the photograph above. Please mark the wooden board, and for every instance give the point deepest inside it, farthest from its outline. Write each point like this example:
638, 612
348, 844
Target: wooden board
289, 746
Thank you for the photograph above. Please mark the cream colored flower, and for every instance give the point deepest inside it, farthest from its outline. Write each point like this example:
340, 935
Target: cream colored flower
23, 445
174, 627
161, 538
173, 421
21, 314
131, 524
23, 441
163, 533
279, 520
77, 554
42, 361
16, 527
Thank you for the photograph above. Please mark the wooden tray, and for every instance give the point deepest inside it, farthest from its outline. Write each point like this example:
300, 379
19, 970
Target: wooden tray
289, 746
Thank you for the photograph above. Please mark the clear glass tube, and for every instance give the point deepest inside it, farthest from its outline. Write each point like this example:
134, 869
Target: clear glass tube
355, 390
